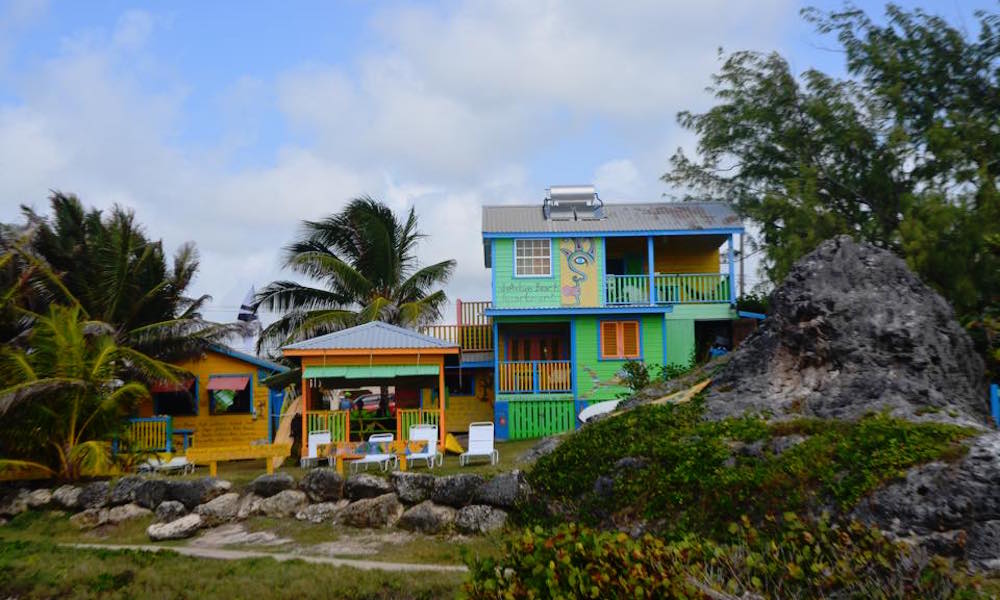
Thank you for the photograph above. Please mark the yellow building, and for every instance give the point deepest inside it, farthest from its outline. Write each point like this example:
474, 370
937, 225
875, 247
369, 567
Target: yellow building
224, 402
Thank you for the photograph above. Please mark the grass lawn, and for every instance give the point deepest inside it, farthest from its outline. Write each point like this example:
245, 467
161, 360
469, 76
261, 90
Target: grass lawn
241, 473
42, 570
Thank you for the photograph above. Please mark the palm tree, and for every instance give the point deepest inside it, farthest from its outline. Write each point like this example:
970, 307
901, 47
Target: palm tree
66, 391
108, 267
363, 260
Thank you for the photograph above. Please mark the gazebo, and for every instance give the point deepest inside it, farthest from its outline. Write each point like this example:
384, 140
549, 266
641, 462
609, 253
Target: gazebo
373, 354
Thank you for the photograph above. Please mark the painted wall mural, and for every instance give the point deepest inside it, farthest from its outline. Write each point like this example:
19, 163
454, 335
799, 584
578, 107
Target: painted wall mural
578, 281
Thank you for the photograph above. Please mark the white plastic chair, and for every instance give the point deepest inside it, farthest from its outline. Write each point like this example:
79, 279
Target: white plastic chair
315, 439
381, 459
480, 443
429, 434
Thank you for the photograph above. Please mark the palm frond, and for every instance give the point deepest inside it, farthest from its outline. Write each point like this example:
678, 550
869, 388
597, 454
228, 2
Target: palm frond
19, 393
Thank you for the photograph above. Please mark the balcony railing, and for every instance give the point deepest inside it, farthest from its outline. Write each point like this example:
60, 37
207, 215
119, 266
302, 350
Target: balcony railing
472, 338
534, 376
670, 288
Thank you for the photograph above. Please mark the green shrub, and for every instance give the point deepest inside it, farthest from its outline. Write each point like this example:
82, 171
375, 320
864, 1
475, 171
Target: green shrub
788, 559
695, 478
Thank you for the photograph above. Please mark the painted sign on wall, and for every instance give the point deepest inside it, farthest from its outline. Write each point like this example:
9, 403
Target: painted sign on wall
578, 280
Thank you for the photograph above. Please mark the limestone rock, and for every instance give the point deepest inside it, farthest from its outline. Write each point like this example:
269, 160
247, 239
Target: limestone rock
127, 512
780, 444
169, 510
177, 529
66, 496
123, 491
283, 504
323, 485
456, 490
479, 518
269, 485
852, 331
150, 493
89, 518
212, 488
363, 485
324, 511
379, 512
193, 493
940, 497
427, 517
95, 495
505, 490
249, 505
412, 488
219, 510
39, 498
14, 503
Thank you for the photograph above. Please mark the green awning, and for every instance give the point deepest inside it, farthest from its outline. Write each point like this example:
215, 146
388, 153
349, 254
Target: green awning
372, 372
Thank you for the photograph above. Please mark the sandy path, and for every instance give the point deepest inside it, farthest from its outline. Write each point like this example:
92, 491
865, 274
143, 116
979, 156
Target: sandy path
222, 554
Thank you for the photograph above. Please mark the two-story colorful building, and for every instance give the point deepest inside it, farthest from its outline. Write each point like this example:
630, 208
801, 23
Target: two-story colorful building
579, 287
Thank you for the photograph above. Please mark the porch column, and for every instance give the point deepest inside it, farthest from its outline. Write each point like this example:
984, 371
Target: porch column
441, 403
732, 271
652, 268
305, 407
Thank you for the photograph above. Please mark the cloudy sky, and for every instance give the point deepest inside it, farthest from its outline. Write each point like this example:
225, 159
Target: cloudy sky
227, 123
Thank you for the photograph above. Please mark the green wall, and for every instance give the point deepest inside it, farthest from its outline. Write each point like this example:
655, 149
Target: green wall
524, 292
595, 377
680, 341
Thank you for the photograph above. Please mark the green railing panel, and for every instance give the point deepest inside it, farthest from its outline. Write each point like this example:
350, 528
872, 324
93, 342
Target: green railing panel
533, 418
627, 289
405, 418
337, 422
691, 288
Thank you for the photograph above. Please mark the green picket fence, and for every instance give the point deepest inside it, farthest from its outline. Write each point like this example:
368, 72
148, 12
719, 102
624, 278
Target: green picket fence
407, 417
337, 422
528, 419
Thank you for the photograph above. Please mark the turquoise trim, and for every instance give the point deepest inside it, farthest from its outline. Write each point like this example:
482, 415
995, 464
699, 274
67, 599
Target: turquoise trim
595, 233
609, 310
752, 315
995, 403
257, 362
732, 272
493, 273
513, 265
603, 293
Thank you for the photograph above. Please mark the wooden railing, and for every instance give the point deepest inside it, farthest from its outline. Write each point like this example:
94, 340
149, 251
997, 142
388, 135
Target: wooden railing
473, 331
535, 376
152, 434
538, 418
337, 422
415, 416
691, 288
627, 289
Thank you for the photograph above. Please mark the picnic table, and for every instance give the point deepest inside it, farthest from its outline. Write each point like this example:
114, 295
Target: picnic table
337, 453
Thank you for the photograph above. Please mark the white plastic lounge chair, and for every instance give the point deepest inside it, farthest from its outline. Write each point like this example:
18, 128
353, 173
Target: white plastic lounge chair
429, 434
380, 459
177, 464
480, 443
313, 443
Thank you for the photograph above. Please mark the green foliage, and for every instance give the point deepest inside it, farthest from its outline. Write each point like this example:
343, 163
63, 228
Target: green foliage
699, 473
754, 302
901, 155
636, 375
67, 391
787, 559
365, 259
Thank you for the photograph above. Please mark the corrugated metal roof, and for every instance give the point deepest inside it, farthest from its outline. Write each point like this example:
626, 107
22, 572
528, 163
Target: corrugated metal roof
374, 335
372, 372
659, 216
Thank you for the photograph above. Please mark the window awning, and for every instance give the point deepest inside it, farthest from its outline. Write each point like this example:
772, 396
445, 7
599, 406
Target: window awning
228, 382
369, 372
168, 387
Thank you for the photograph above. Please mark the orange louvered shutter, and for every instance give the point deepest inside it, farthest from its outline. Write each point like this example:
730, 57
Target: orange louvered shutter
609, 339
630, 339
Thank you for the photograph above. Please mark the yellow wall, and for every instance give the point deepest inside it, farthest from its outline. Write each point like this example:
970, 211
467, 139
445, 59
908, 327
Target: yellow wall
687, 254
221, 430
461, 410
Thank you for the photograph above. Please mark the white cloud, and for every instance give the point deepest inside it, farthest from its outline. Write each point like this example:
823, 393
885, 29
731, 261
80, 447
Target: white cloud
455, 109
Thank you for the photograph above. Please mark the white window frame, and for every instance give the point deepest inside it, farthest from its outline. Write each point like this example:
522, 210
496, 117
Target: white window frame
535, 244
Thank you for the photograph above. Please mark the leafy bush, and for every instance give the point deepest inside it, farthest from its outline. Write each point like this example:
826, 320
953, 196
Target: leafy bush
637, 375
788, 559
695, 474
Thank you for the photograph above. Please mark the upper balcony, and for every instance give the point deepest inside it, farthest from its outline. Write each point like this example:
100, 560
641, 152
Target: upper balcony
473, 330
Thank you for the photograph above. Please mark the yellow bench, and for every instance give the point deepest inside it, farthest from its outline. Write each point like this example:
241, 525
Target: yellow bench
212, 455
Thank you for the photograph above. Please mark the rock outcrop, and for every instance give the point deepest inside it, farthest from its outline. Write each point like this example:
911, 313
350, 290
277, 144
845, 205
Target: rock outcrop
853, 331
363, 485
323, 485
375, 513
269, 485
178, 529
427, 517
479, 518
